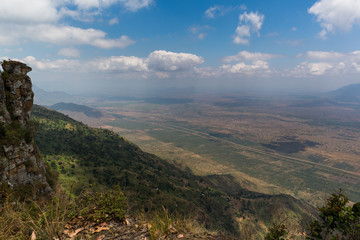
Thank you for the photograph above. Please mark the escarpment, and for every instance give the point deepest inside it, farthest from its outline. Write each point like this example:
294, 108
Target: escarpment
21, 167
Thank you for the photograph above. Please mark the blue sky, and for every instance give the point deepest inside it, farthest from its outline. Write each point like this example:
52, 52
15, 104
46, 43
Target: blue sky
110, 45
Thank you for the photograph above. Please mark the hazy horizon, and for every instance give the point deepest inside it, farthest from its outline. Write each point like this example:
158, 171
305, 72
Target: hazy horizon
98, 46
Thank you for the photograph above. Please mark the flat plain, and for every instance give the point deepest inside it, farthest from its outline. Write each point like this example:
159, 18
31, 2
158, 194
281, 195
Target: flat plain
306, 147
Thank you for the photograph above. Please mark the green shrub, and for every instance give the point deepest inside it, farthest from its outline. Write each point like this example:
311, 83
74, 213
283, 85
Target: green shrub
102, 206
277, 232
337, 220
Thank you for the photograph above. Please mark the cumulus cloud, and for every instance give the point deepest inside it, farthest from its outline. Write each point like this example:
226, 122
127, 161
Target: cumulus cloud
249, 56
69, 52
36, 11
40, 21
316, 69
333, 14
320, 63
160, 63
243, 68
120, 64
164, 61
246, 64
249, 23
111, 64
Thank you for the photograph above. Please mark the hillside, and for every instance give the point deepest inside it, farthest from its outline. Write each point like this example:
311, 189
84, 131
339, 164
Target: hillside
86, 157
72, 107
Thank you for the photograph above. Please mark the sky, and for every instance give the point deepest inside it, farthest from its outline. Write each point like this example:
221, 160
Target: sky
110, 46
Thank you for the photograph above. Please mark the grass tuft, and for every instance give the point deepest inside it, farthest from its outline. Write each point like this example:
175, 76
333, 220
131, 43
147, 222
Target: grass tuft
162, 224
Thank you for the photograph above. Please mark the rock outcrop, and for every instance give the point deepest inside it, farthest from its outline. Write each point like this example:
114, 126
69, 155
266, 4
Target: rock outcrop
21, 167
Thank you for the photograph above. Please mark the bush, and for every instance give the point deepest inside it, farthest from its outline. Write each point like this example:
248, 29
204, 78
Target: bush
337, 220
277, 232
102, 206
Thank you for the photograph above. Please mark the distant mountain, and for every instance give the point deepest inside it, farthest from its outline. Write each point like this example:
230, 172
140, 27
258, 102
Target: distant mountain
46, 98
345, 97
72, 107
349, 93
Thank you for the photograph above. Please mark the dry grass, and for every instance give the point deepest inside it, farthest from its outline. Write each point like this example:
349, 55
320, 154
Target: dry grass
162, 225
19, 220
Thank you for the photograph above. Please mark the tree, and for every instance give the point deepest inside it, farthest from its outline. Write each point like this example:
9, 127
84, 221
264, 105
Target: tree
277, 232
337, 220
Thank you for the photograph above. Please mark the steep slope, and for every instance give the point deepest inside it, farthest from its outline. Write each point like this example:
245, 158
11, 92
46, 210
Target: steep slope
88, 157
98, 158
21, 167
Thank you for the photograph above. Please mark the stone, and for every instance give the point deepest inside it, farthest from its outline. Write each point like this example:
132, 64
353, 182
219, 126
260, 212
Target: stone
19, 161
14, 67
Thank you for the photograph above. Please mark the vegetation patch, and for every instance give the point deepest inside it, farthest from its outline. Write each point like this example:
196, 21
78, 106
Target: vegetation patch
293, 146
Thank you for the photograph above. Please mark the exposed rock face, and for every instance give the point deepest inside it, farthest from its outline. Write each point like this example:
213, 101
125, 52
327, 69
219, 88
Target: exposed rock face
20, 164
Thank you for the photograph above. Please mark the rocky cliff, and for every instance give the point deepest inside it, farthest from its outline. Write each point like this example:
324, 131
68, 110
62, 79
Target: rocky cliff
21, 167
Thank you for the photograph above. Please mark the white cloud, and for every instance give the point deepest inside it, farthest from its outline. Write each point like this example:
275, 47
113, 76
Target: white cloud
134, 5
61, 35
319, 55
164, 61
315, 69
161, 63
60, 64
321, 63
40, 21
131, 5
256, 67
249, 56
120, 64
242, 33
244, 65
219, 10
87, 4
113, 21
215, 11
248, 24
29, 12
111, 64
332, 14
69, 52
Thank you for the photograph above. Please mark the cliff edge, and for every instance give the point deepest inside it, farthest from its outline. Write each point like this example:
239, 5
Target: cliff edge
21, 167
